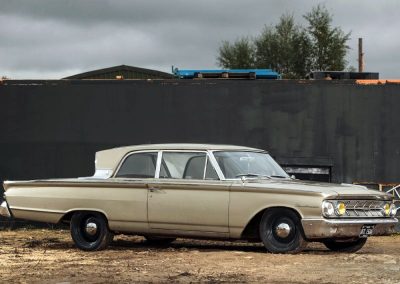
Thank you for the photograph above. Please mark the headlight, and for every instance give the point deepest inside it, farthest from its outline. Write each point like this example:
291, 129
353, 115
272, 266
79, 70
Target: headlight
328, 210
340, 208
393, 210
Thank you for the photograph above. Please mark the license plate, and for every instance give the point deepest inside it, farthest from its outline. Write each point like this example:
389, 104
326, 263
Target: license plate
366, 231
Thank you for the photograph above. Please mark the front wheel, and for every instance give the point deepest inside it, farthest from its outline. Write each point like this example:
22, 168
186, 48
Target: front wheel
281, 231
89, 231
345, 245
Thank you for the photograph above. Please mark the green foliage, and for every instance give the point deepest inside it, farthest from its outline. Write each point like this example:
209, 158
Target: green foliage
284, 48
291, 49
329, 44
237, 55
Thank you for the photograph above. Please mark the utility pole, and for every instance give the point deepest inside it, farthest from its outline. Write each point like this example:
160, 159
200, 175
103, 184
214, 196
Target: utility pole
360, 56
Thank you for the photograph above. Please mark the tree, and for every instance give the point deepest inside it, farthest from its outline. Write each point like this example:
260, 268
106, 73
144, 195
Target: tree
291, 49
238, 55
284, 48
329, 46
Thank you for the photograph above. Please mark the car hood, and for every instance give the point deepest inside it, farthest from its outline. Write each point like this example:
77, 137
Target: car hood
327, 189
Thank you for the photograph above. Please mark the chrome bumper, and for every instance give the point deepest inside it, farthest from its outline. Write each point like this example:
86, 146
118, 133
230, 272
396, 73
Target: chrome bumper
334, 228
4, 211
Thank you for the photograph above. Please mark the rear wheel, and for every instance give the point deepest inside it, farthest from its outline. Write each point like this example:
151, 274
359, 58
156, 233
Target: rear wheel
281, 231
345, 245
159, 241
89, 231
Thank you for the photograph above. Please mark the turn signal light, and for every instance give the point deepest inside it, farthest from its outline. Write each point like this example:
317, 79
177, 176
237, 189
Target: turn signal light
341, 208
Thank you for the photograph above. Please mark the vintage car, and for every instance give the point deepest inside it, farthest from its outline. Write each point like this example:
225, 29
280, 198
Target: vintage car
202, 191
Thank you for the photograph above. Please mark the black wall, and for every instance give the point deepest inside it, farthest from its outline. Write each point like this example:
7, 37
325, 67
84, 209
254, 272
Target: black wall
53, 128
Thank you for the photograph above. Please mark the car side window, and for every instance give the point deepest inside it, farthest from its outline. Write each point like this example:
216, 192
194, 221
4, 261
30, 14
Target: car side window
194, 168
187, 165
139, 165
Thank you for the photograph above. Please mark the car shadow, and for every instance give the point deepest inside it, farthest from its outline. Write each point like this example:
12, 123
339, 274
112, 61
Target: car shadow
139, 244
205, 246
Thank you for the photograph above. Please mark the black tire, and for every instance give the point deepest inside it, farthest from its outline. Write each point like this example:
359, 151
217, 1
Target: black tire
345, 245
288, 240
158, 241
98, 239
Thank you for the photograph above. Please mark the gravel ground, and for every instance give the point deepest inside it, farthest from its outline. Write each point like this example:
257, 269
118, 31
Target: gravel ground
49, 256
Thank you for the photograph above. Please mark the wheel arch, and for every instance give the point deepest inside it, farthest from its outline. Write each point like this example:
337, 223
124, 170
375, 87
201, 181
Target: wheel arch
66, 218
251, 230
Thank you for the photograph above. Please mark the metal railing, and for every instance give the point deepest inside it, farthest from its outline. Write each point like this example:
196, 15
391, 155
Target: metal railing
395, 191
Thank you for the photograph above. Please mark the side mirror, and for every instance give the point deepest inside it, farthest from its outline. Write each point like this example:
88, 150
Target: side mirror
293, 177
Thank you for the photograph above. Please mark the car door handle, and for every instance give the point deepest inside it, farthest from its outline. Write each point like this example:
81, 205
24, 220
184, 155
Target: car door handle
155, 189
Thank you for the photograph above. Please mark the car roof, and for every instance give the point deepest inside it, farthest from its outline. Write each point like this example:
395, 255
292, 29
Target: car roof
185, 146
109, 159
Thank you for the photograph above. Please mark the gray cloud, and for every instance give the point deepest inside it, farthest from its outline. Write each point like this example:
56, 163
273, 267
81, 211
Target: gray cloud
52, 39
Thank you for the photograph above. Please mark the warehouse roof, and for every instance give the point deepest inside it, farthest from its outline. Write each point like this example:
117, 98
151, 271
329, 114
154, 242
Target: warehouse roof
122, 72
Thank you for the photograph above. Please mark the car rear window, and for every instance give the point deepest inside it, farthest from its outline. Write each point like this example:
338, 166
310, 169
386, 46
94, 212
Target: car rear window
139, 165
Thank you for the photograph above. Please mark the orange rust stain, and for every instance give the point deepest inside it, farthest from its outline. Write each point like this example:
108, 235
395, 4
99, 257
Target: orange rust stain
378, 82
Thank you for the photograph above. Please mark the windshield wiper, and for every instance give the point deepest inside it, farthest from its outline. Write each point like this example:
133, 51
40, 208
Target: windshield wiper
252, 175
278, 176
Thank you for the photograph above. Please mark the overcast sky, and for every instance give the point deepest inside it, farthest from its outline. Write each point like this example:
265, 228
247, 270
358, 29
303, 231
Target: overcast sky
54, 39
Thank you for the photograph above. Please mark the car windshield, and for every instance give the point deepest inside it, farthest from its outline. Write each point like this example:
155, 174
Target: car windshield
237, 164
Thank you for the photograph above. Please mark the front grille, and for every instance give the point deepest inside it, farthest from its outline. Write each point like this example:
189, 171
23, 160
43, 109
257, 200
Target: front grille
364, 208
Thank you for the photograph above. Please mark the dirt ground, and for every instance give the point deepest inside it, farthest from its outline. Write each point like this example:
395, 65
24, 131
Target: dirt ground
49, 256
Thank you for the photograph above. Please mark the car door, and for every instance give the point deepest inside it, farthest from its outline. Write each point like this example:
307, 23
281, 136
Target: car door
129, 198
188, 196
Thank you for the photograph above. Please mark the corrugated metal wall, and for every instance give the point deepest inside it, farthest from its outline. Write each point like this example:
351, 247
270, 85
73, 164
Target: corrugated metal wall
53, 128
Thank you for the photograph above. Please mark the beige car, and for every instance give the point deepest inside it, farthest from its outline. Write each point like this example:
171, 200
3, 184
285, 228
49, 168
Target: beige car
202, 191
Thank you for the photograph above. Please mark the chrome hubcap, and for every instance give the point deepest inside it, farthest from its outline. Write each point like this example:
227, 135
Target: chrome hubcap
91, 228
282, 230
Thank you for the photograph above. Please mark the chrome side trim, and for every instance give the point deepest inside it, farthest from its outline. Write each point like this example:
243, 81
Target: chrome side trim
38, 210
4, 211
